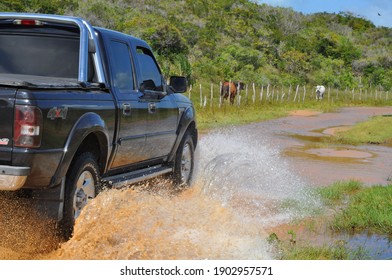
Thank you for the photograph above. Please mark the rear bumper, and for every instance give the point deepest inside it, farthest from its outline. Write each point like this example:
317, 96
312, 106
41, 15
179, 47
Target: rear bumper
12, 178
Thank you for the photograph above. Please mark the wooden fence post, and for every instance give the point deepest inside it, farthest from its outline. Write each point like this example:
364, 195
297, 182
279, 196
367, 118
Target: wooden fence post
220, 94
212, 94
228, 97
268, 94
254, 93
329, 92
189, 92
239, 93
201, 97
261, 93
246, 94
296, 93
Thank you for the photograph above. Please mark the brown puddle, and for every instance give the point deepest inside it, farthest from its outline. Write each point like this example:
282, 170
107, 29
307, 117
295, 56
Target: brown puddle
339, 153
334, 130
304, 113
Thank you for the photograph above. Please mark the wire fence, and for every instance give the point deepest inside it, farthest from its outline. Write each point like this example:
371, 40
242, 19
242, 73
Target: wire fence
210, 96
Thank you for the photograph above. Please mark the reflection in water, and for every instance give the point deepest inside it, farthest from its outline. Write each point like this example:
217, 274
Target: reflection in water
375, 247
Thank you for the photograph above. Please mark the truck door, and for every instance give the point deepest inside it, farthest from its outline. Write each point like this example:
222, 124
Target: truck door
131, 112
162, 109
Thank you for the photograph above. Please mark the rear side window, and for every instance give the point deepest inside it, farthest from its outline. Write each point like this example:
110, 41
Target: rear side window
121, 66
39, 55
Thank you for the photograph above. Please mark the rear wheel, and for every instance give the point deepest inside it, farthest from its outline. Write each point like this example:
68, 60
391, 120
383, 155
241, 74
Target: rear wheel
82, 184
184, 163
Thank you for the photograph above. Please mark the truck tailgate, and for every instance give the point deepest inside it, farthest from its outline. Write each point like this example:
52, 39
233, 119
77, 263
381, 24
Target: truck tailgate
7, 99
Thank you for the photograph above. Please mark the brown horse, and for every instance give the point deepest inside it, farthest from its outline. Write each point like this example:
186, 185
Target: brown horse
230, 88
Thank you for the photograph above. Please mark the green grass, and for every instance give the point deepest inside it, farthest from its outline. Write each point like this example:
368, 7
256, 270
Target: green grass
335, 252
338, 190
355, 207
211, 117
377, 130
289, 250
369, 209
364, 208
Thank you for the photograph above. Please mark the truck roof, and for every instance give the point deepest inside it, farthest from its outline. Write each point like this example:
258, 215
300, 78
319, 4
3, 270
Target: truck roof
136, 40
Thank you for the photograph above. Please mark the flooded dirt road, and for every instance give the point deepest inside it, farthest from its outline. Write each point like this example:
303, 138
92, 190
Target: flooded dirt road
298, 138
249, 179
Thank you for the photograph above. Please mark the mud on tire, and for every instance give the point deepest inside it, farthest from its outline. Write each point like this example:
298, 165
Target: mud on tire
184, 162
82, 184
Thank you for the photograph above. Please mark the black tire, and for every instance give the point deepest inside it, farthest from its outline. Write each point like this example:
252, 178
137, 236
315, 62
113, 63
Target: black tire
81, 185
184, 162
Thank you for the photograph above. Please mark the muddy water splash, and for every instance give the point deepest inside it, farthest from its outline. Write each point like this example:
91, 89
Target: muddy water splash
241, 185
24, 234
246, 173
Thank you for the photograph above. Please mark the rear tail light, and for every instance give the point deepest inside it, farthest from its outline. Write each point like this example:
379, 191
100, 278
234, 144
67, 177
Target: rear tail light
31, 22
27, 126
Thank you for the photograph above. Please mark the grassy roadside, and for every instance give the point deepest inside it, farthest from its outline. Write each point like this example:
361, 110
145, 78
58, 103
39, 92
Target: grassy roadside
214, 116
355, 209
377, 130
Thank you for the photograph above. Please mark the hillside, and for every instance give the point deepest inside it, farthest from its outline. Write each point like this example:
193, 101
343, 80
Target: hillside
242, 40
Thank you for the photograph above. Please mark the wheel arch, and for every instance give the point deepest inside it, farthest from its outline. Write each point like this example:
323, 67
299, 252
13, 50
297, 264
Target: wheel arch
187, 124
89, 134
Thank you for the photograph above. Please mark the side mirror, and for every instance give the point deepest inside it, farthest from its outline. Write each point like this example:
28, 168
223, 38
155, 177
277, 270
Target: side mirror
178, 84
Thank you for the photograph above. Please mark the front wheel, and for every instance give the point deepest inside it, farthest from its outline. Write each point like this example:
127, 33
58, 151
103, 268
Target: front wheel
184, 163
82, 184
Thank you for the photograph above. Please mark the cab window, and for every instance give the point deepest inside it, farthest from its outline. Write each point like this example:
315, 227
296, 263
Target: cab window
121, 65
151, 75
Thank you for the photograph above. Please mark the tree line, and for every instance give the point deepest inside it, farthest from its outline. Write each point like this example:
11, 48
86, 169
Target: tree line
243, 40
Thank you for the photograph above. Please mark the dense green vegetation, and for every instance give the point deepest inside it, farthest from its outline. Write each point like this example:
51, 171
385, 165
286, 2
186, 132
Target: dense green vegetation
242, 40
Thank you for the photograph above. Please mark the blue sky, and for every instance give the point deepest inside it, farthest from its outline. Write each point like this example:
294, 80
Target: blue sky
368, 9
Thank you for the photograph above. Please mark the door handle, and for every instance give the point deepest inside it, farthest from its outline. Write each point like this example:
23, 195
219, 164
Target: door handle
126, 109
152, 107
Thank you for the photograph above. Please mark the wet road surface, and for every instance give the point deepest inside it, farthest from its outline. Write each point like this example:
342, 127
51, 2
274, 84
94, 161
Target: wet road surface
249, 179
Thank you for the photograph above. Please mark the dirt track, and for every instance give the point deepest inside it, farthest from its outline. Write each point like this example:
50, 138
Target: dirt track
245, 176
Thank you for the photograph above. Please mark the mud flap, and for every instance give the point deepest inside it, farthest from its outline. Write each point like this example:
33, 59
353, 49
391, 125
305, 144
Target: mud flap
50, 202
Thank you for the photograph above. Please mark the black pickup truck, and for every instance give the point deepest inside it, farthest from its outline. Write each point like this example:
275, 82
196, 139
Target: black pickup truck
82, 106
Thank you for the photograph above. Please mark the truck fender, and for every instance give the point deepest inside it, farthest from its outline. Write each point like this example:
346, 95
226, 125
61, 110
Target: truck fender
187, 118
89, 123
